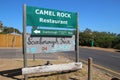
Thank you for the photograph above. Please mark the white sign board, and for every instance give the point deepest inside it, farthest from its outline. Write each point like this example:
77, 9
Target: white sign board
50, 44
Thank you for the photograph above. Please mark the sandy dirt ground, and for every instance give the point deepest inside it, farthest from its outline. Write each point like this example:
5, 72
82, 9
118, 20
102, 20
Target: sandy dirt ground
10, 70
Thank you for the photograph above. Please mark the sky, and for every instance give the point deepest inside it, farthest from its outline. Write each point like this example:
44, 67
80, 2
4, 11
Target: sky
97, 15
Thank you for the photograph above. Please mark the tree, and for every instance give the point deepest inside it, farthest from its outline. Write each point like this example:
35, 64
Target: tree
87, 30
118, 35
11, 30
7, 30
85, 37
1, 24
100, 39
103, 39
116, 42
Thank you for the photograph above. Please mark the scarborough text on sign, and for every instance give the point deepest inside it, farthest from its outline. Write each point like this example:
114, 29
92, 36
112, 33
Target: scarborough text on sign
51, 18
50, 44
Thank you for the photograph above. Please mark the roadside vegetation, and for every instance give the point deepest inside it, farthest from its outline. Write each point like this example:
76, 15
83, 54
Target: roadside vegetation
7, 29
99, 39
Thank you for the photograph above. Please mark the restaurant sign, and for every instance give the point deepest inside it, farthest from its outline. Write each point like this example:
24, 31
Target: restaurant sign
50, 18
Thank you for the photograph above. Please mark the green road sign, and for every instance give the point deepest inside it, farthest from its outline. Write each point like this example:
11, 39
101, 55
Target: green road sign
50, 18
52, 32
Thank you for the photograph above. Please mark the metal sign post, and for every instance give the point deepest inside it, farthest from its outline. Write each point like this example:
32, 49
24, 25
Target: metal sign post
24, 38
77, 41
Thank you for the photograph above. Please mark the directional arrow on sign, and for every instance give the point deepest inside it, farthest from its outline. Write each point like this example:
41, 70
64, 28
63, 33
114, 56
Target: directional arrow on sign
36, 31
52, 32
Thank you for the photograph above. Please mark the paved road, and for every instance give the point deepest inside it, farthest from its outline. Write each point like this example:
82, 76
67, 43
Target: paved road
107, 59
10, 53
17, 54
110, 60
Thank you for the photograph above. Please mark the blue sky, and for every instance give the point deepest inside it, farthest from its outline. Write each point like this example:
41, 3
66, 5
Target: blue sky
97, 15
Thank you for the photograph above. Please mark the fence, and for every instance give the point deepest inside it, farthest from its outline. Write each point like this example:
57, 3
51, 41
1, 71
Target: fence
10, 40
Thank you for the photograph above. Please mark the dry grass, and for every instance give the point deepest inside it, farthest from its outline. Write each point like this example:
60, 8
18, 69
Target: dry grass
7, 64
